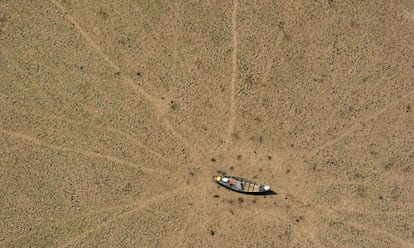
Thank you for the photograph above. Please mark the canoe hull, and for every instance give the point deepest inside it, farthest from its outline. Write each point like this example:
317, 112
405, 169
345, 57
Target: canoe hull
242, 185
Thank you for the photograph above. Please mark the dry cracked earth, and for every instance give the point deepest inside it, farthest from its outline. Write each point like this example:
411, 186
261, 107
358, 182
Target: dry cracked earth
115, 115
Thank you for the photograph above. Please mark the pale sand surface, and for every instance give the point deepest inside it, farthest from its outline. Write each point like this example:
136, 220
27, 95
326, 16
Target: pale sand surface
114, 116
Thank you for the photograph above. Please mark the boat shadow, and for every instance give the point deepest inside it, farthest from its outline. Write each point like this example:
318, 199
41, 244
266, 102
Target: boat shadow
270, 192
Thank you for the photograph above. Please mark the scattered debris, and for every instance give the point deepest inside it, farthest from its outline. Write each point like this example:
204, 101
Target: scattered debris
127, 187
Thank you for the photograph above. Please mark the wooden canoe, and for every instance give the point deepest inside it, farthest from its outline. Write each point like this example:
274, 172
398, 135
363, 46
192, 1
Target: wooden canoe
242, 185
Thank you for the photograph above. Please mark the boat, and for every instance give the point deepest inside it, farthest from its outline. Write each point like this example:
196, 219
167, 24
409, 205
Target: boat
242, 185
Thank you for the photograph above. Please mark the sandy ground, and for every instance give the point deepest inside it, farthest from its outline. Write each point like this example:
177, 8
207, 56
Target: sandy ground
115, 115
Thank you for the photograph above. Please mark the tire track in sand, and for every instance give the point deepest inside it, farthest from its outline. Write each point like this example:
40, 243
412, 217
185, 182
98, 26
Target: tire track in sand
357, 124
84, 152
159, 106
135, 206
232, 119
